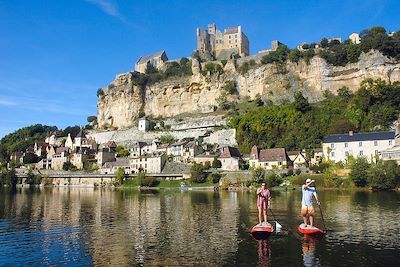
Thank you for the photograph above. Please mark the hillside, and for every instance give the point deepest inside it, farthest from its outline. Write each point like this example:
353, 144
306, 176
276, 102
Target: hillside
195, 87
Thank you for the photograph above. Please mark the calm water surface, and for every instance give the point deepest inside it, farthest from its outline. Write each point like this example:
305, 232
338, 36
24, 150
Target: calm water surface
168, 228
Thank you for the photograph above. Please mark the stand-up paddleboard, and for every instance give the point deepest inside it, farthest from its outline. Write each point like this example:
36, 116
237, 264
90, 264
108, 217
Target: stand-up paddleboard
308, 230
262, 231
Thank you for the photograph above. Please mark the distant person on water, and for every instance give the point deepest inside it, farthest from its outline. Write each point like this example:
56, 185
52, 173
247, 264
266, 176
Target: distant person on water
263, 202
307, 208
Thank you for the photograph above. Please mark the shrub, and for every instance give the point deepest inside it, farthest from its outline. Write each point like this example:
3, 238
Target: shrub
100, 92
68, 166
216, 163
197, 174
166, 139
230, 87
91, 118
278, 56
298, 172
258, 174
384, 176
244, 68
119, 177
214, 178
149, 181
359, 171
272, 179
121, 151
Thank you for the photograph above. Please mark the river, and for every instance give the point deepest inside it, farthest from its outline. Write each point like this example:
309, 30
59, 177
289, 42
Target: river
61, 226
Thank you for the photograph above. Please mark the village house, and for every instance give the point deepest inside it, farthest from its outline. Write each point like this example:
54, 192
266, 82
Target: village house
54, 139
269, 158
223, 45
157, 60
81, 156
112, 167
153, 163
40, 148
355, 38
61, 156
299, 159
339, 147
106, 153
191, 150
176, 150
317, 157
230, 158
206, 158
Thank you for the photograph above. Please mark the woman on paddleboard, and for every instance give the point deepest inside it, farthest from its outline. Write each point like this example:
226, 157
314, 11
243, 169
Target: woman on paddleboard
263, 202
307, 209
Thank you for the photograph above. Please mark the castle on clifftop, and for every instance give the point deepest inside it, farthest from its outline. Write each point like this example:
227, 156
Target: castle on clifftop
222, 45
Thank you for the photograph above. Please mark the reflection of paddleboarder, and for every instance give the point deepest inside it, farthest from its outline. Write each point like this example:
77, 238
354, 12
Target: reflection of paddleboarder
307, 208
264, 253
308, 247
263, 202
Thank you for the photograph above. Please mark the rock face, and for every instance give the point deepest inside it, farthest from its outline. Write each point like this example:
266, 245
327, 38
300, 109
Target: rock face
121, 103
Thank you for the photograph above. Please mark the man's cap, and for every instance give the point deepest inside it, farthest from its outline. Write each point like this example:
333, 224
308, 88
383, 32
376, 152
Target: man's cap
308, 180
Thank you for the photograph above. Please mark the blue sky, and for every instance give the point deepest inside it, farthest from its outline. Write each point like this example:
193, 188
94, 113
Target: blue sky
54, 55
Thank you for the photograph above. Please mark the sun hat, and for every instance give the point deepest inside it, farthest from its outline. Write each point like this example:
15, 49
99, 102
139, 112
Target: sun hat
308, 180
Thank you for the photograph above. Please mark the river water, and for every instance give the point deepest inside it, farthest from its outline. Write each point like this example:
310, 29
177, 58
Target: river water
62, 226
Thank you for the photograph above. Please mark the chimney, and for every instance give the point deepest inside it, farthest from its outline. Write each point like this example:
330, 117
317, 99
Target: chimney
350, 133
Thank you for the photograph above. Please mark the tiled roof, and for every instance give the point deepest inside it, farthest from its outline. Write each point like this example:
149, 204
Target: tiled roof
119, 162
61, 149
272, 154
145, 59
230, 152
337, 138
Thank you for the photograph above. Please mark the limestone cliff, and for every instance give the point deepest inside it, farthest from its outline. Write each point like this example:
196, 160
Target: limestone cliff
121, 103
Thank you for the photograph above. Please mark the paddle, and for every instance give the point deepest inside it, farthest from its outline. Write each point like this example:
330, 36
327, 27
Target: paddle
278, 225
322, 216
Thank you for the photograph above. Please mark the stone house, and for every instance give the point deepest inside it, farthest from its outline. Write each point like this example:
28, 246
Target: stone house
222, 44
136, 148
16, 157
339, 147
205, 158
81, 156
153, 163
157, 60
40, 148
269, 158
112, 167
191, 150
69, 142
355, 38
176, 150
230, 158
62, 155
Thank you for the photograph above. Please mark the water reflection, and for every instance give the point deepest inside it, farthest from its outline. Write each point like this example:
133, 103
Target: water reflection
264, 253
104, 227
309, 245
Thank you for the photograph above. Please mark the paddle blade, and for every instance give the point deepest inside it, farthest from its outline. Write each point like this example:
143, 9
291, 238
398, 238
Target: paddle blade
278, 226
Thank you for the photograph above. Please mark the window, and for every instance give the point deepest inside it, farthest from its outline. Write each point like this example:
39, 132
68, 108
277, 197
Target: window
361, 153
359, 143
280, 163
346, 144
375, 143
376, 152
346, 153
332, 154
390, 142
332, 145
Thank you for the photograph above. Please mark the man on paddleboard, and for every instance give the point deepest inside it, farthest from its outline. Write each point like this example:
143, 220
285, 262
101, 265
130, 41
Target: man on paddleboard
307, 208
263, 202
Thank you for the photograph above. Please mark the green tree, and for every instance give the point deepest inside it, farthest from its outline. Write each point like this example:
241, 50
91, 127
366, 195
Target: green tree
91, 118
384, 176
280, 55
122, 151
294, 55
214, 178
216, 163
258, 174
301, 103
167, 139
119, 176
230, 87
272, 179
353, 53
197, 173
68, 166
359, 171
31, 158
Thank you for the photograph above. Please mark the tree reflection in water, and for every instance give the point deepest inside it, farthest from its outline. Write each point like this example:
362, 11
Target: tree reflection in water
309, 245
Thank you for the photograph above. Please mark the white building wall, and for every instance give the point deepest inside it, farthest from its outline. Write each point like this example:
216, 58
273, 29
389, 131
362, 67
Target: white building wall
369, 149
